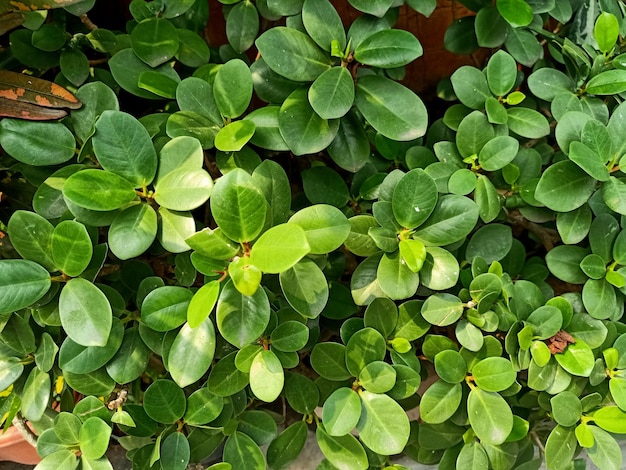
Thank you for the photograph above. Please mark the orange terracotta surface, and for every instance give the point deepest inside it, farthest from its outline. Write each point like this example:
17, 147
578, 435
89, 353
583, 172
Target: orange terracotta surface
14, 448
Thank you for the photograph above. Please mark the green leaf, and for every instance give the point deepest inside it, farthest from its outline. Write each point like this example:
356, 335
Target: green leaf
377, 377
80, 359
192, 124
94, 438
547, 82
203, 407
500, 241
610, 82
225, 379
164, 401
501, 73
196, 95
341, 412
516, 12
611, 419
11, 370
283, 450
388, 48
242, 452
280, 248
22, 283
365, 346
470, 86
373, 7
232, 88
614, 194
577, 359
35, 395
202, 303
62, 459
165, 308
440, 401
31, 236
233, 137
414, 198
71, 247
494, 374
292, 54
487, 199
606, 452
490, 416
175, 452
383, 426
302, 128
344, 452
238, 206
85, 312
174, 229
473, 133
242, 319
245, 276
566, 408
323, 23
242, 26
192, 353
323, 185
98, 190
527, 123
325, 227
599, 298
155, 41
183, 189
266, 376
395, 277
498, 152
442, 309
329, 360
37, 143
132, 231
131, 359
305, 287
452, 219
193, 50
393, 110
123, 146
606, 31
290, 336
332, 94
440, 270
560, 447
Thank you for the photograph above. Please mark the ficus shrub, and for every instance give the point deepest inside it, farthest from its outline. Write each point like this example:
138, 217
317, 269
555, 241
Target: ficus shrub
220, 252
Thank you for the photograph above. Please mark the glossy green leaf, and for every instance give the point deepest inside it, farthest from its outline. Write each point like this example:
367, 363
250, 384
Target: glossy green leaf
175, 451
470, 86
242, 26
440, 270
202, 303
71, 247
498, 152
122, 146
325, 227
283, 450
577, 359
132, 231
98, 190
290, 336
80, 359
494, 374
395, 277
37, 143
302, 128
192, 352
266, 376
388, 48
365, 346
394, 111
323, 23
292, 54
232, 88
232, 137
414, 198
329, 361
546, 83
165, 308
442, 309
452, 219
35, 395
164, 401
490, 416
196, 95
85, 312
241, 319
501, 73
332, 94
473, 134
516, 12
31, 236
94, 438
22, 283
500, 242
242, 452
610, 82
203, 407
440, 401
155, 41
341, 412
280, 248
131, 359
237, 206
344, 452
383, 426
183, 189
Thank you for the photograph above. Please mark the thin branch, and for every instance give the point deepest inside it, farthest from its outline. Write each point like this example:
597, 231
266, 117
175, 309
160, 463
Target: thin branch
20, 424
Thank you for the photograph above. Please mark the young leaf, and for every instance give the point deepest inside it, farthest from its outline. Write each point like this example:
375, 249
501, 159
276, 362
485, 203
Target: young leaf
280, 248
191, 353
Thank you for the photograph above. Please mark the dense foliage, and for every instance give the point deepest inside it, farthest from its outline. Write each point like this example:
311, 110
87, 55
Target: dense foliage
217, 250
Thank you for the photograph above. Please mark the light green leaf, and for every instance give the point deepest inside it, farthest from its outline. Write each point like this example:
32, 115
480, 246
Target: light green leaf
388, 48
85, 312
183, 189
490, 416
232, 88
383, 426
267, 376
22, 283
233, 136
305, 287
280, 248
132, 231
332, 94
192, 352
